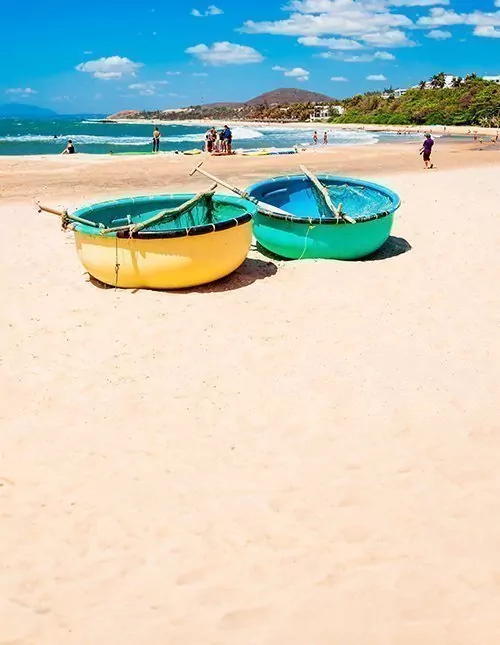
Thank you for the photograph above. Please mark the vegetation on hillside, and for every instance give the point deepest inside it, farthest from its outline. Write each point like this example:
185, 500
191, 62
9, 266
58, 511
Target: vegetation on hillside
470, 101
286, 104
259, 112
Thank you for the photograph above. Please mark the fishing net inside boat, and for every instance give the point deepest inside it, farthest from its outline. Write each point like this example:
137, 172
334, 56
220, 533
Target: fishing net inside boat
359, 202
171, 213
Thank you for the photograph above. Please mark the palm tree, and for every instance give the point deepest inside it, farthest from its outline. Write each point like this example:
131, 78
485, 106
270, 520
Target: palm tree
457, 81
438, 81
422, 85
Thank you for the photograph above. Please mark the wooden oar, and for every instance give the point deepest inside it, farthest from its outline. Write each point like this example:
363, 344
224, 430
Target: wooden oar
326, 196
263, 207
64, 215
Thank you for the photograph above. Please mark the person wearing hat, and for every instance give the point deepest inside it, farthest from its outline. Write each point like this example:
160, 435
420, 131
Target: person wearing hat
426, 150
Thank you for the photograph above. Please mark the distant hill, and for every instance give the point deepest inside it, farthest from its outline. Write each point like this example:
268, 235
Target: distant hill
287, 96
285, 104
22, 109
229, 104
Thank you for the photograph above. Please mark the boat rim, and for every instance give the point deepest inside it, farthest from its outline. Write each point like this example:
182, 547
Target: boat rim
325, 221
202, 229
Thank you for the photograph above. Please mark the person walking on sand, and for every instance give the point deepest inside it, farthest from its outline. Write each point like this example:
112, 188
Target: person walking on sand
427, 150
325, 139
315, 138
156, 140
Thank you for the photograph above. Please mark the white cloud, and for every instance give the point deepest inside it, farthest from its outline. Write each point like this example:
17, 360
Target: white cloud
362, 58
339, 79
148, 88
297, 72
418, 3
487, 32
172, 73
376, 77
388, 38
200, 74
87, 53
439, 17
343, 44
225, 53
211, 11
439, 34
113, 67
344, 18
21, 91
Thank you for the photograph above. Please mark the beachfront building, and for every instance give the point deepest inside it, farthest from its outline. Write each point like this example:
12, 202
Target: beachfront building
492, 79
395, 93
322, 112
449, 82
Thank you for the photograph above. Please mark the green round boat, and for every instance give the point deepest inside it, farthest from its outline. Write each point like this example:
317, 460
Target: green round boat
310, 231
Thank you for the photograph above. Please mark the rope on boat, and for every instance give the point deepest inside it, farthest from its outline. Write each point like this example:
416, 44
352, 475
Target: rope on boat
66, 218
305, 241
117, 264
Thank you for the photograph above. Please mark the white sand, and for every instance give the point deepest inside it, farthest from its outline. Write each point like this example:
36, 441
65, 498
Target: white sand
306, 453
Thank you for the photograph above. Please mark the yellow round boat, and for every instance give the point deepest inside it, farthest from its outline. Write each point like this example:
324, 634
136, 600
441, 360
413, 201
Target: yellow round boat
165, 241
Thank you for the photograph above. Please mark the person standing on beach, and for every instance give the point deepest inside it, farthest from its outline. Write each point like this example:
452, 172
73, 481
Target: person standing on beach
156, 140
325, 139
315, 138
427, 150
222, 142
228, 139
210, 139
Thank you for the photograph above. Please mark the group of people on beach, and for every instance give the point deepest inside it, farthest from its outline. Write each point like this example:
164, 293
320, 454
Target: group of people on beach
219, 142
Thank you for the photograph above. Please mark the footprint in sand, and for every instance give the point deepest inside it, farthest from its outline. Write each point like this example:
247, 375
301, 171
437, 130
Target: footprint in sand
192, 577
245, 618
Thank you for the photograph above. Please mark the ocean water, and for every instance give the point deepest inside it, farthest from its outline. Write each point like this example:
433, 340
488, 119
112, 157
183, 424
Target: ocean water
49, 136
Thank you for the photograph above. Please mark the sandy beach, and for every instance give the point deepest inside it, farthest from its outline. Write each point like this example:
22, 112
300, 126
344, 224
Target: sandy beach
303, 453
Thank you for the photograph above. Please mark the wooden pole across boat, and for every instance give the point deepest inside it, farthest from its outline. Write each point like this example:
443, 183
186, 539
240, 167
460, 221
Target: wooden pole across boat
337, 212
65, 216
267, 209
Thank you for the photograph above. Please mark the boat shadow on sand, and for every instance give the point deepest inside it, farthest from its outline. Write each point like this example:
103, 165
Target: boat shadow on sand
252, 270
391, 249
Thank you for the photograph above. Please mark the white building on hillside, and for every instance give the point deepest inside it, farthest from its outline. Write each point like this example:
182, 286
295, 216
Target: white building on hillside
322, 112
448, 82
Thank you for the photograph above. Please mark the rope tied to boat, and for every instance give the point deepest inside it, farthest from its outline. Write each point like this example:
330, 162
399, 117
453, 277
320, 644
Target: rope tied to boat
117, 264
66, 218
311, 227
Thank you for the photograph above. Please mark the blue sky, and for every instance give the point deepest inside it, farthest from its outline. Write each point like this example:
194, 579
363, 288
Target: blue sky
105, 56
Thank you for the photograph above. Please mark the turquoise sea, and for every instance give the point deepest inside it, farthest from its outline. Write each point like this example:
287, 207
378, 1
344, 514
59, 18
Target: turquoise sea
49, 136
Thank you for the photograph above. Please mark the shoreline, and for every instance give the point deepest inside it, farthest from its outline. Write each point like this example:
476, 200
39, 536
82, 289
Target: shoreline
455, 130
73, 178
